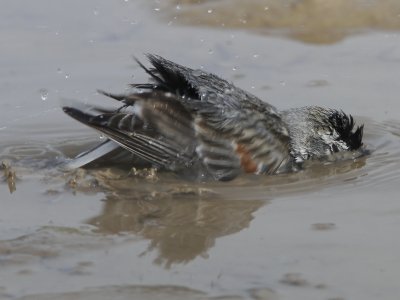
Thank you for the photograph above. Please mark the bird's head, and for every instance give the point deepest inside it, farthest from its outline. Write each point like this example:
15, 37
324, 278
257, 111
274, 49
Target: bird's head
317, 132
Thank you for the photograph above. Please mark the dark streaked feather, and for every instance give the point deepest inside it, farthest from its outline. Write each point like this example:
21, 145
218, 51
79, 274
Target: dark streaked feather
158, 123
344, 125
209, 94
217, 152
228, 111
145, 145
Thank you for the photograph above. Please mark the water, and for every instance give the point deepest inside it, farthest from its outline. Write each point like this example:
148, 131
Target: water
328, 232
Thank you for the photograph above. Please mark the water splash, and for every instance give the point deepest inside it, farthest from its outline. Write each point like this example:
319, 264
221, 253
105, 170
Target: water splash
44, 94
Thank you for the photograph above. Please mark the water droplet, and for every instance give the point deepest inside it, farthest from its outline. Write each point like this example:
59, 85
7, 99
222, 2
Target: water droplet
197, 72
266, 8
210, 11
102, 137
256, 56
95, 12
282, 83
234, 68
59, 71
66, 76
210, 51
178, 7
227, 91
44, 94
157, 9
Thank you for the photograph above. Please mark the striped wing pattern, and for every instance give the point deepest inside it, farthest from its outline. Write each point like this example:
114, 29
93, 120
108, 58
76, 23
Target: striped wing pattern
185, 116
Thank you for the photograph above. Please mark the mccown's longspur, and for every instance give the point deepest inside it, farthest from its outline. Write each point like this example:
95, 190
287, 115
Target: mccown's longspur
187, 120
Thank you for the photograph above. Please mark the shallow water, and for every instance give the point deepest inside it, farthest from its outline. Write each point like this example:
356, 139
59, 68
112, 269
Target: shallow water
328, 232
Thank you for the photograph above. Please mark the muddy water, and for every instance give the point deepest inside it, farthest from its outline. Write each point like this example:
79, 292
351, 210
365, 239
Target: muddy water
329, 232
314, 21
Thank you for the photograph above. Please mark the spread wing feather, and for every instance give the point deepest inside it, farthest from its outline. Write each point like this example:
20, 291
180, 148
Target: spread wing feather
186, 115
142, 133
250, 127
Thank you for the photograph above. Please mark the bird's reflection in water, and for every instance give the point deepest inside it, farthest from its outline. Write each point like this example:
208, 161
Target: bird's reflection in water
180, 221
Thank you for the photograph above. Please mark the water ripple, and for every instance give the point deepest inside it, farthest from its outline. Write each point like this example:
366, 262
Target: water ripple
381, 166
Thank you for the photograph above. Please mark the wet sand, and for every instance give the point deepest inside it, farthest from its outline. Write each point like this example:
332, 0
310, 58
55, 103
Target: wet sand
328, 232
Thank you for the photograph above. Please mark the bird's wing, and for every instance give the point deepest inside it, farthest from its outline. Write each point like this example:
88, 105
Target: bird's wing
153, 128
227, 119
185, 114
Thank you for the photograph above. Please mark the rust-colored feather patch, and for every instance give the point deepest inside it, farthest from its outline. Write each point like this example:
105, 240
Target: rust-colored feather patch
246, 161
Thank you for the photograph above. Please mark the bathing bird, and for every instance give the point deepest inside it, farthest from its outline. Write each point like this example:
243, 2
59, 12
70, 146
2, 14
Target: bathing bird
190, 121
